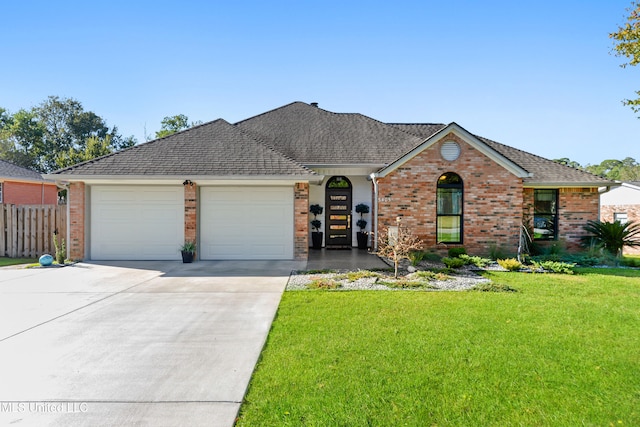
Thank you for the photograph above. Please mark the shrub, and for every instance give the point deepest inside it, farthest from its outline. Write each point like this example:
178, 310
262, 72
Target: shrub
612, 236
352, 276
475, 260
323, 283
453, 262
497, 252
416, 257
406, 283
510, 264
554, 266
493, 287
630, 262
430, 275
456, 252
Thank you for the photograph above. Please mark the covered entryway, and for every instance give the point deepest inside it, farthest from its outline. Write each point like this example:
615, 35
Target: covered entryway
136, 222
338, 215
246, 223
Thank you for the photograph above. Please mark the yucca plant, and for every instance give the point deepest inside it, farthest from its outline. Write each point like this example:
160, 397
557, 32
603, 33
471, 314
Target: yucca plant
612, 236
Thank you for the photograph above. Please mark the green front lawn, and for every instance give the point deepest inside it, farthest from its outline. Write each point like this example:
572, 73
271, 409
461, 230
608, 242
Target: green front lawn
16, 261
562, 351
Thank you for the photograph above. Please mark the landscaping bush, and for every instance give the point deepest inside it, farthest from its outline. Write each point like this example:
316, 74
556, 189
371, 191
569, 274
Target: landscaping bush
510, 264
352, 276
453, 262
554, 266
456, 252
497, 252
475, 260
416, 257
323, 283
630, 262
431, 275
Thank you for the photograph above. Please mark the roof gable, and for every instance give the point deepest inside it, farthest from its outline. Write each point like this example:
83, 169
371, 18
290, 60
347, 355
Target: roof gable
454, 128
212, 149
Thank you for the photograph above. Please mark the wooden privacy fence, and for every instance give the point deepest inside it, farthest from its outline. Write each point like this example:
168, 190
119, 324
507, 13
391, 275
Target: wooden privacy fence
27, 231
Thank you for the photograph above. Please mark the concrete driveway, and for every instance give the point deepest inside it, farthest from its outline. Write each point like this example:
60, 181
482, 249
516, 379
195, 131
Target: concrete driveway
133, 343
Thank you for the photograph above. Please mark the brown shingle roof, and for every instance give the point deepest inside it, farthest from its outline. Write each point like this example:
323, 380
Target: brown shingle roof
312, 135
212, 149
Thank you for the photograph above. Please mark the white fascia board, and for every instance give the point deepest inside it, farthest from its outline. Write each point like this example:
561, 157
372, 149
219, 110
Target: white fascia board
629, 185
347, 170
466, 137
199, 180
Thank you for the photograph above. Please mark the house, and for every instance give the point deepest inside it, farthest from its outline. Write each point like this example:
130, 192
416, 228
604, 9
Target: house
21, 186
622, 204
243, 190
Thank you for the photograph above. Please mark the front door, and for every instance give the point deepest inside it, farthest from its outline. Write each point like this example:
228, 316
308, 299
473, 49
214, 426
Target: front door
338, 213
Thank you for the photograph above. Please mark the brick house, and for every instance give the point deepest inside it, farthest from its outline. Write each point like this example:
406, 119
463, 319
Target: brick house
243, 190
21, 186
622, 204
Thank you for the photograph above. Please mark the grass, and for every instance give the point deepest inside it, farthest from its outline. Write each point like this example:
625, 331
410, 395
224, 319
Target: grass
562, 351
4, 262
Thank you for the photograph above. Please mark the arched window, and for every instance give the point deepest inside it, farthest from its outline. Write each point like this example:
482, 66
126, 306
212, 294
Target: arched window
449, 208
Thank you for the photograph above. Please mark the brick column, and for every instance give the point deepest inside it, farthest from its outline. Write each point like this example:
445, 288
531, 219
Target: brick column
301, 221
190, 212
76, 200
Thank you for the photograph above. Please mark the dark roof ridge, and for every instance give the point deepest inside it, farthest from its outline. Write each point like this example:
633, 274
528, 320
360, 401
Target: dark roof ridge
271, 111
137, 146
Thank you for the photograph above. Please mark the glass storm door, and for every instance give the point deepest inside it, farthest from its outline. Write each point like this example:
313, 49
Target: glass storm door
338, 213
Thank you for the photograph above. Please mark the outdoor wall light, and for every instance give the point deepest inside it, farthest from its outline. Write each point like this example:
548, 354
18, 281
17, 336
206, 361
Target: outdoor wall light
188, 182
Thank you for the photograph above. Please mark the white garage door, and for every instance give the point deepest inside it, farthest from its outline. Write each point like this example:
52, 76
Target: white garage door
246, 223
136, 223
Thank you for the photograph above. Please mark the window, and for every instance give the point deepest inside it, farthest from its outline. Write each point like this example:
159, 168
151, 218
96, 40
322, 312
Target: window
621, 216
449, 208
545, 216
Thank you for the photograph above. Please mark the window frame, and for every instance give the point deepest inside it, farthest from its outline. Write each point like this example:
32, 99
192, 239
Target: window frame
457, 204
550, 216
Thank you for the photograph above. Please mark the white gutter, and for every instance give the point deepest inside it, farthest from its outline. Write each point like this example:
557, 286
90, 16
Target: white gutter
375, 219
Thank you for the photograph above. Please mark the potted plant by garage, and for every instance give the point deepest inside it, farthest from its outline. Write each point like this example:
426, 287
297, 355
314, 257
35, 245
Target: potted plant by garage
316, 236
363, 236
188, 251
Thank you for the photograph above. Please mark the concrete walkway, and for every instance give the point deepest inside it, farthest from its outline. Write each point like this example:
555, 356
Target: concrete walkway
133, 343
343, 259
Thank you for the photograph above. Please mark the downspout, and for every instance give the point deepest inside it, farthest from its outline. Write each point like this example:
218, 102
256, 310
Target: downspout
375, 209
65, 186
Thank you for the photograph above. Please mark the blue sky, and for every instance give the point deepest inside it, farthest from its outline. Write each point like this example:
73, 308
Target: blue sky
538, 76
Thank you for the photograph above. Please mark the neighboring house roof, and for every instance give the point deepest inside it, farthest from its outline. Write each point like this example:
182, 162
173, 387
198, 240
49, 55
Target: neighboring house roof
212, 149
289, 139
11, 171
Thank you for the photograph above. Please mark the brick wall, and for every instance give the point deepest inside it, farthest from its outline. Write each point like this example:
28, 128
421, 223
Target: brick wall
493, 201
76, 201
301, 221
190, 212
633, 215
29, 193
576, 207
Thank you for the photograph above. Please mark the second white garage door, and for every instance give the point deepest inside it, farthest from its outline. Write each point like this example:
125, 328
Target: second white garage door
246, 223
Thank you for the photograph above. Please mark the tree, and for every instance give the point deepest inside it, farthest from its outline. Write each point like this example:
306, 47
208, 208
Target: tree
398, 245
627, 44
44, 136
174, 124
621, 170
94, 147
568, 162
